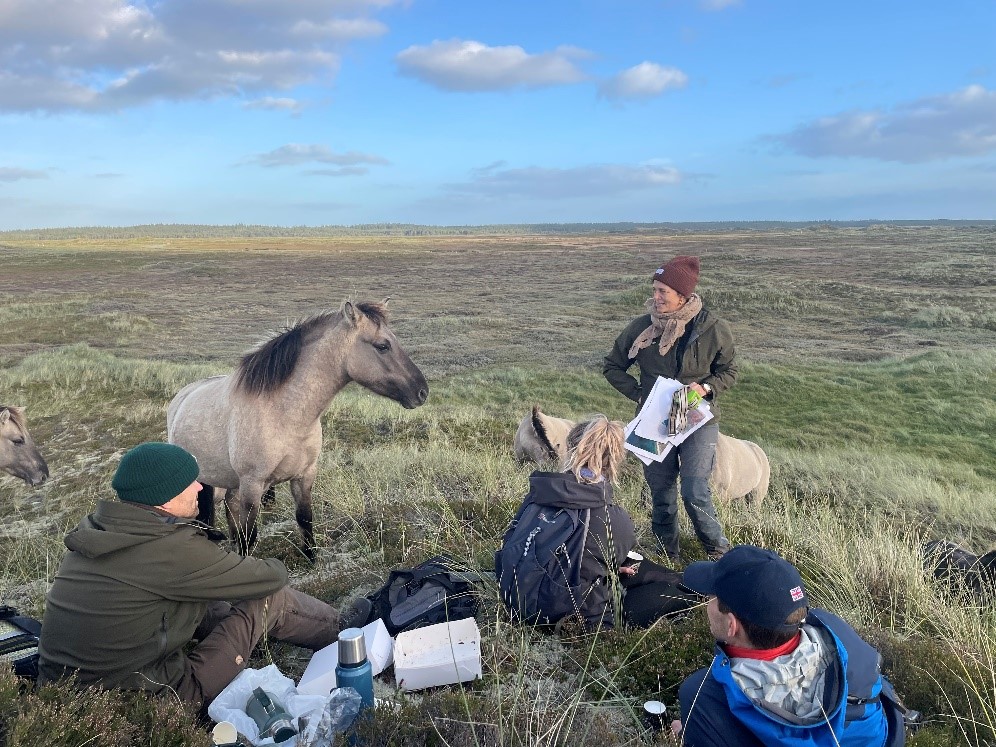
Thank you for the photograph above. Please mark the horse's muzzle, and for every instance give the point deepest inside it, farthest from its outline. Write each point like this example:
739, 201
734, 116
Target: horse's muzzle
410, 402
39, 477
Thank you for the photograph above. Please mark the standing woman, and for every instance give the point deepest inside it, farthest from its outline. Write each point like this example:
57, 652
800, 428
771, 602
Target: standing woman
680, 340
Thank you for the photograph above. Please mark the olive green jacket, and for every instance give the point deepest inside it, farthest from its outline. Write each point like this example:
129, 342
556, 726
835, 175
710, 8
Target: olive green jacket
704, 354
132, 590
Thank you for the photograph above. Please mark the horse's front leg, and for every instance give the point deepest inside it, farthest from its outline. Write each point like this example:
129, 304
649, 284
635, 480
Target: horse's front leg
205, 504
301, 490
242, 507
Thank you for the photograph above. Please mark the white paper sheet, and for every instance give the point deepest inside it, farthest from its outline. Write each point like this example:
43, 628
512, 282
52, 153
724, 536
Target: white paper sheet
650, 422
319, 676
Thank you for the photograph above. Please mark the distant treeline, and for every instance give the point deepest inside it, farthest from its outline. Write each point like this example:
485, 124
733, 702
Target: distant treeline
244, 231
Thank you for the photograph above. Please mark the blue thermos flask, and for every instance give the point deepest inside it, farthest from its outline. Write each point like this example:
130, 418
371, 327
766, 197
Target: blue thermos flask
353, 669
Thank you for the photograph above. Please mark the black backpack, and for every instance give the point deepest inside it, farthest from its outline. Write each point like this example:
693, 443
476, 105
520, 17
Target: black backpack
19, 642
962, 570
431, 592
538, 566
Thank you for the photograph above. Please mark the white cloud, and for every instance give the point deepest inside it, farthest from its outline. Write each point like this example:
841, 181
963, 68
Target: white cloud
962, 123
296, 154
458, 65
339, 28
643, 81
71, 21
94, 55
275, 104
11, 174
582, 181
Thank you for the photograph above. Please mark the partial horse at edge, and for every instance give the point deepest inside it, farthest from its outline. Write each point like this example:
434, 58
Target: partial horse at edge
19, 456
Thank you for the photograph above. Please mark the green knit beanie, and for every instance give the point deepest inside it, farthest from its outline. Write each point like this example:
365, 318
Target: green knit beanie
154, 473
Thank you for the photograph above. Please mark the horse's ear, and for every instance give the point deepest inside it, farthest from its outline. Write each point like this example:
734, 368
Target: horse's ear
349, 311
385, 301
4, 416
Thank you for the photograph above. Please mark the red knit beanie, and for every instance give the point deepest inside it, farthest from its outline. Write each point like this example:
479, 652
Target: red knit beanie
680, 273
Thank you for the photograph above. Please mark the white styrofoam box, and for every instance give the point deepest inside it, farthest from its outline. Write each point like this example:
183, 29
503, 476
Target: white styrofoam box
442, 654
319, 677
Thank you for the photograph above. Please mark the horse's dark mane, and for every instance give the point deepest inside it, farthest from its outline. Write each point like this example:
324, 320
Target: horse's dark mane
15, 415
268, 367
375, 312
541, 432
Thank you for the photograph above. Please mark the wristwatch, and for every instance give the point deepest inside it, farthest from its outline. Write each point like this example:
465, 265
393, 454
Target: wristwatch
708, 388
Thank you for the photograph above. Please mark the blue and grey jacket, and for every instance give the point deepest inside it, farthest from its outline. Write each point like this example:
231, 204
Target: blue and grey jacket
715, 711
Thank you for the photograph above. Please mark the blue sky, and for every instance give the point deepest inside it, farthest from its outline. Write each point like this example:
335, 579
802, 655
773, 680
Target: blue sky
314, 112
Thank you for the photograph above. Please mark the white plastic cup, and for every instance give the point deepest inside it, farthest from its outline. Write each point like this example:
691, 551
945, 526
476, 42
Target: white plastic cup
225, 734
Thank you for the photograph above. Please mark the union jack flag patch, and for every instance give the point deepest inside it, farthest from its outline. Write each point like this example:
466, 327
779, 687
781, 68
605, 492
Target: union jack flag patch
797, 594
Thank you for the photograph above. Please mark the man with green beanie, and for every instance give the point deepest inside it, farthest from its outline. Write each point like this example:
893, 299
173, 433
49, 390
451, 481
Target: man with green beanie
142, 579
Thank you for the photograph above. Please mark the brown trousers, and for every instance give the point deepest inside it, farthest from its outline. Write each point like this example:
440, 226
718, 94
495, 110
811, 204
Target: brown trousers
229, 633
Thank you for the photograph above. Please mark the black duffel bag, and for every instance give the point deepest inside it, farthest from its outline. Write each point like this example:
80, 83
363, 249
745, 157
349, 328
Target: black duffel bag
431, 592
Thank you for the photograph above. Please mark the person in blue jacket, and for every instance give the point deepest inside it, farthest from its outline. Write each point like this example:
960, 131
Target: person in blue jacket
783, 674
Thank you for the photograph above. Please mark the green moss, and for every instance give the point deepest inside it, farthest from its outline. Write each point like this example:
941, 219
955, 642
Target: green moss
648, 664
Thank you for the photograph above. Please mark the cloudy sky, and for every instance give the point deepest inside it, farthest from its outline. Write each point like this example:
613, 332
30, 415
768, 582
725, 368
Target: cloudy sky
314, 112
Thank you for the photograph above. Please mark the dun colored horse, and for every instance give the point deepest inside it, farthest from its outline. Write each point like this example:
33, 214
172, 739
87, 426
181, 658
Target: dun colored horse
18, 454
261, 425
741, 466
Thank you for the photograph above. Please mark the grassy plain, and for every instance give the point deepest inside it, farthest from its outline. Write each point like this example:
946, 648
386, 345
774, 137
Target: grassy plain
867, 375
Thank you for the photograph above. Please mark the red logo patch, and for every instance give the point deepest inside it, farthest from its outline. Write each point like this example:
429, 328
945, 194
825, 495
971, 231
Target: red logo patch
797, 594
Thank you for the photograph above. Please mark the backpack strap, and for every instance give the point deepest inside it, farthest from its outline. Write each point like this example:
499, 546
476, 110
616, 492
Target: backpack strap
902, 720
420, 575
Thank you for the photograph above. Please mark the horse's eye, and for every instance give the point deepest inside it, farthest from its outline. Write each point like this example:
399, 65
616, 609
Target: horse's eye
18, 441
384, 346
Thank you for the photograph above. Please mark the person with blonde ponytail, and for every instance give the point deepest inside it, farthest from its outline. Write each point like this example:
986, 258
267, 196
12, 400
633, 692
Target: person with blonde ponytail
543, 581
595, 454
595, 450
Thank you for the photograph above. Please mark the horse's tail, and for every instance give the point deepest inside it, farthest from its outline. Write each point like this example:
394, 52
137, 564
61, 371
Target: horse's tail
205, 504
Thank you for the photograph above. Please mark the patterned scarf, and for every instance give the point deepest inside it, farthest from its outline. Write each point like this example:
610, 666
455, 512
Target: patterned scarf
670, 326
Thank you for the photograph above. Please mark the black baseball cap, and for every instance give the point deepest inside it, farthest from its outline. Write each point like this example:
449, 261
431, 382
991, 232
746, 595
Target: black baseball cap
759, 586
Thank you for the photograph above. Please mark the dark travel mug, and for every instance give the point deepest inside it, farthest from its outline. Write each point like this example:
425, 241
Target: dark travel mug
654, 716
